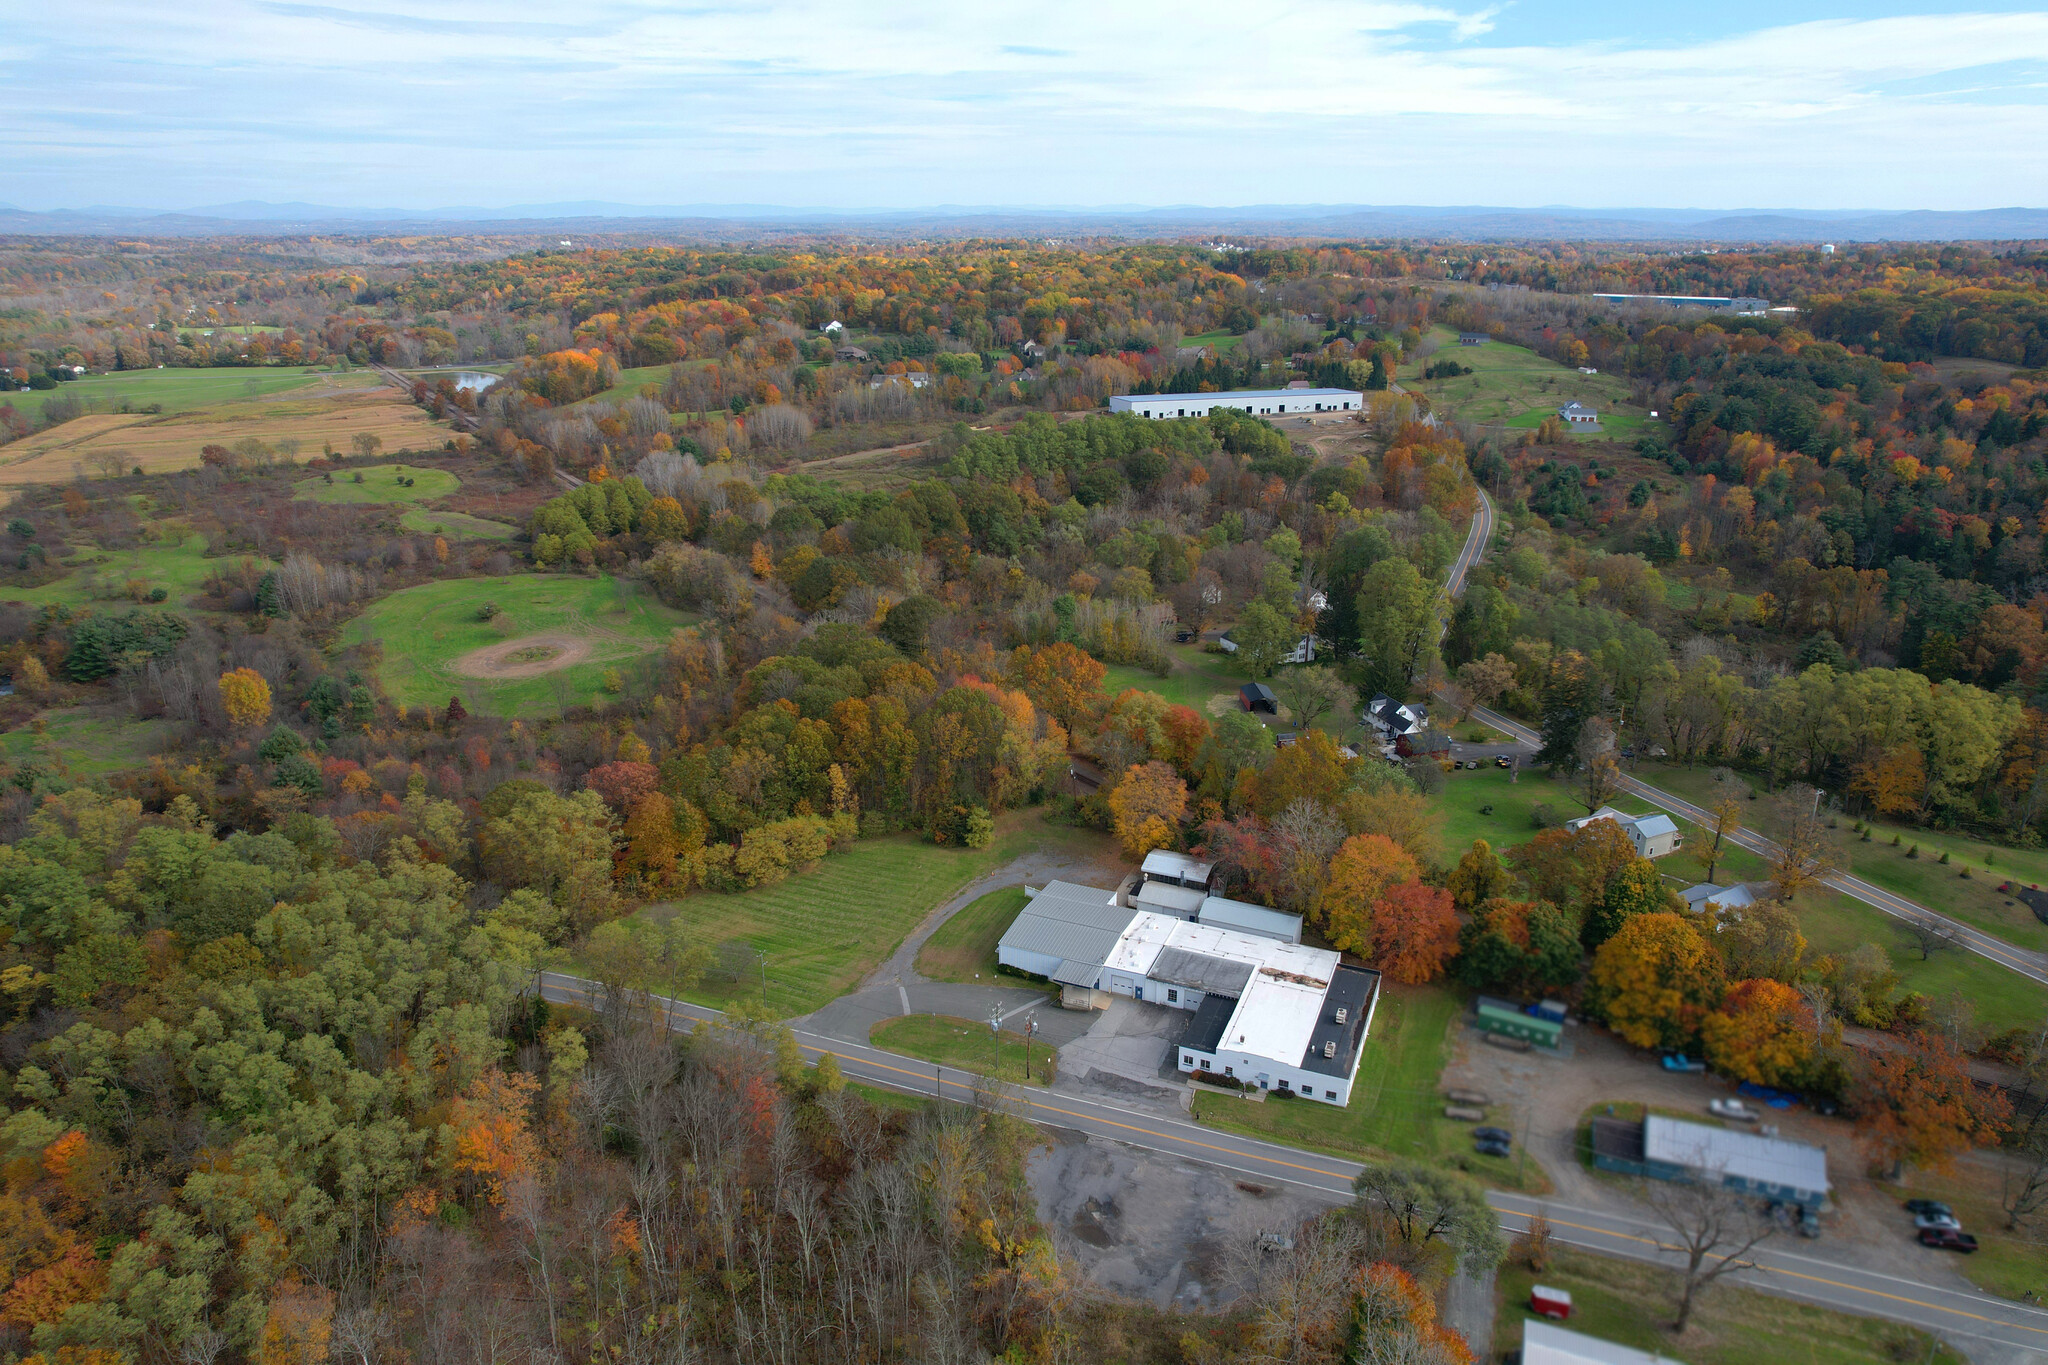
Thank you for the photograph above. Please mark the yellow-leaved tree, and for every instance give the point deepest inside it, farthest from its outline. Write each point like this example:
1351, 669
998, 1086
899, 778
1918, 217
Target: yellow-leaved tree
1148, 805
245, 697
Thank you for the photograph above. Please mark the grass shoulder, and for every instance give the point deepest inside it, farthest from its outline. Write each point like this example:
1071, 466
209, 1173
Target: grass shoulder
966, 1046
1633, 1304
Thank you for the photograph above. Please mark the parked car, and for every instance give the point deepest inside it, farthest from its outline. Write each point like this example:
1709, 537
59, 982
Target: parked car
1732, 1109
1492, 1135
1795, 1218
1678, 1061
1918, 1206
1503, 761
1809, 1221
1934, 1222
1948, 1239
1492, 1148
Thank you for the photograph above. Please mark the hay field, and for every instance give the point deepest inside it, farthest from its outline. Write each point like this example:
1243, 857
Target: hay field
173, 441
1515, 387
184, 390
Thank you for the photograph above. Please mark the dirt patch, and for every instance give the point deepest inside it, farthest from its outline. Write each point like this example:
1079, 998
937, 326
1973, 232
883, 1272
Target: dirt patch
529, 656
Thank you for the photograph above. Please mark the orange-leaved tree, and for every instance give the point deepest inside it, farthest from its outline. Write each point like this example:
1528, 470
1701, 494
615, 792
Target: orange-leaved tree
1656, 980
1148, 805
1063, 681
1414, 932
1366, 867
1763, 1032
245, 697
494, 1143
1571, 867
1916, 1105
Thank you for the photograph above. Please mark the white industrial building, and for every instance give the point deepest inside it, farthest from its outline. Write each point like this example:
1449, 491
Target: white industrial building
1267, 1011
1257, 402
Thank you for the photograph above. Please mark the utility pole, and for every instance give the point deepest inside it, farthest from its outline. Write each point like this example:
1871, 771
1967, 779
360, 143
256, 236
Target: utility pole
995, 1035
1030, 1031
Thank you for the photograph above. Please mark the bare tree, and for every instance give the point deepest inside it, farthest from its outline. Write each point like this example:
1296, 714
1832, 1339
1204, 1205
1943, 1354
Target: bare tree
1599, 770
2026, 1176
1805, 853
1302, 1287
1931, 934
1717, 1229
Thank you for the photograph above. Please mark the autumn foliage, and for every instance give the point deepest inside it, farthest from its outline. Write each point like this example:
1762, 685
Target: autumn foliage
245, 697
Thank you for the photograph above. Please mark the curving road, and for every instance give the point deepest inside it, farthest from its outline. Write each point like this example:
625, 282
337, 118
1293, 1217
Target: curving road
2013, 1332
2028, 963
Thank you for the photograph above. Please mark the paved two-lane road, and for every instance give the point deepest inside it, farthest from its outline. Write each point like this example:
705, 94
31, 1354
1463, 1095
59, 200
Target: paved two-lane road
2014, 1332
2028, 963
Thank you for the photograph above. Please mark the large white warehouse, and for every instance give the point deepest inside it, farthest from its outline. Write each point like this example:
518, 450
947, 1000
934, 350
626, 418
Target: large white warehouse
1257, 402
1267, 1012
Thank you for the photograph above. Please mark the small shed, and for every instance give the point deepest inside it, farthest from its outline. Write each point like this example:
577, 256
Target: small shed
1259, 699
1165, 865
852, 354
1473, 338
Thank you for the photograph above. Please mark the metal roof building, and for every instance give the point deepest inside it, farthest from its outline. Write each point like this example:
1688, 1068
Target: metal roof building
1257, 402
1546, 1343
1677, 1149
1169, 898
1164, 865
1064, 922
1250, 919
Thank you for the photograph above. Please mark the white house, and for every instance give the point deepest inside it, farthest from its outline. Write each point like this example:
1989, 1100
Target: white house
1579, 417
1257, 402
1653, 835
832, 328
1706, 896
1394, 719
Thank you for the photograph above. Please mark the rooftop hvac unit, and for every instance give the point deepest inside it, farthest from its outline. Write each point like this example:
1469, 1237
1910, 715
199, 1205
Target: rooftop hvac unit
1343, 1013
1330, 1048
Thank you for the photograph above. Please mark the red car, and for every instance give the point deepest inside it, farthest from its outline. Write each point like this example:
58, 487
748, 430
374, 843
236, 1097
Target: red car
1948, 1239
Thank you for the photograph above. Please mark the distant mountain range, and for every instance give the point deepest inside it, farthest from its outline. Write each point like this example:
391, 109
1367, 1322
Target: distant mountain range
753, 221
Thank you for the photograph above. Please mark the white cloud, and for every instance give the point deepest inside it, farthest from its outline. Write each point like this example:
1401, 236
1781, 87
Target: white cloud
919, 102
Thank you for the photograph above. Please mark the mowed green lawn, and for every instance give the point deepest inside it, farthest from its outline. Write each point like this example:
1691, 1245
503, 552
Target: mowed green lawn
964, 947
88, 741
427, 521
1833, 923
1513, 386
823, 931
1207, 684
176, 390
1396, 1108
100, 578
380, 483
1975, 900
1634, 1305
424, 631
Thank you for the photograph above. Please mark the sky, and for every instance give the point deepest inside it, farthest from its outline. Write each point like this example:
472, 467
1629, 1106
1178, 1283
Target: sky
849, 104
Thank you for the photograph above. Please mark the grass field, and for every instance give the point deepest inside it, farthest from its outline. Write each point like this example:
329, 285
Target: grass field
88, 741
424, 630
964, 947
826, 930
101, 578
963, 1044
1395, 1110
427, 521
1515, 387
380, 483
179, 390
312, 416
628, 385
1832, 923
1974, 900
1633, 1305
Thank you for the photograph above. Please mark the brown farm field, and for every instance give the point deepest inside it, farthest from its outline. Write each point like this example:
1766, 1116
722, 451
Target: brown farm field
173, 441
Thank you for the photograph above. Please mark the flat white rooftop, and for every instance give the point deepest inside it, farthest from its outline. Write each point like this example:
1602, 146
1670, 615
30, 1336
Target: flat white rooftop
1230, 397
